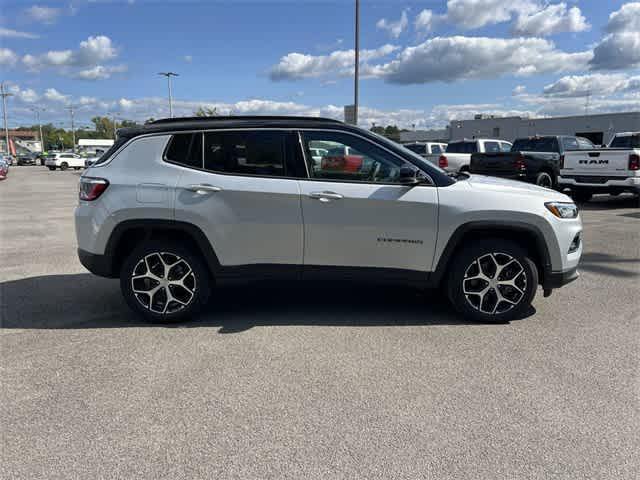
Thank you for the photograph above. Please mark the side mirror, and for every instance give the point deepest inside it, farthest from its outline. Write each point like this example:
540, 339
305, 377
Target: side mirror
409, 175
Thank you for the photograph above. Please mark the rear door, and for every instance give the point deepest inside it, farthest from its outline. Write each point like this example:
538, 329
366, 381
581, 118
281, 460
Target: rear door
242, 191
356, 212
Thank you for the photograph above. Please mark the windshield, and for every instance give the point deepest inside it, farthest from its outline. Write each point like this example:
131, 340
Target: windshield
626, 141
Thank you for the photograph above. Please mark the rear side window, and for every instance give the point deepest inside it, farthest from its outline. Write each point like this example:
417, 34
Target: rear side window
246, 153
115, 147
627, 141
462, 147
436, 149
570, 143
417, 148
185, 149
541, 144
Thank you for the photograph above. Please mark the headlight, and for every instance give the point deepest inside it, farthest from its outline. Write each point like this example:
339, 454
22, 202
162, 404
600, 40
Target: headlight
562, 210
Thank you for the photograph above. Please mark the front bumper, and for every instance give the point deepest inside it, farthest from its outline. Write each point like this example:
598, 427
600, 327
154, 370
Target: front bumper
559, 279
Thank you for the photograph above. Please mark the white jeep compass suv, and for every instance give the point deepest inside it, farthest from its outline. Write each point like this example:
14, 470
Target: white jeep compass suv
180, 205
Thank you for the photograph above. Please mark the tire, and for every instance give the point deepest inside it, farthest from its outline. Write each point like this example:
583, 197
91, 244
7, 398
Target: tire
518, 285
545, 179
154, 261
64, 166
52, 168
581, 196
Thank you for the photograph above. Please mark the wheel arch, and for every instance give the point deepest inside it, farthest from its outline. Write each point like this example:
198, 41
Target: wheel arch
527, 235
128, 234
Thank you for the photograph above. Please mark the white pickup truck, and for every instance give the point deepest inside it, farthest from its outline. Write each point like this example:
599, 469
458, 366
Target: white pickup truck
612, 170
425, 149
64, 161
458, 153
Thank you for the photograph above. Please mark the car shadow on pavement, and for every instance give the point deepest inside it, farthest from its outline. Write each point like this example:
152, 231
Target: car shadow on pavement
609, 202
84, 301
607, 264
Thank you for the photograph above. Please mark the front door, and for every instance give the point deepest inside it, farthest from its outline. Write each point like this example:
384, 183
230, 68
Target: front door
357, 213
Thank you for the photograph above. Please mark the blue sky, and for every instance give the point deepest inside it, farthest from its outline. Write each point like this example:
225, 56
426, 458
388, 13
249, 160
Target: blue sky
424, 62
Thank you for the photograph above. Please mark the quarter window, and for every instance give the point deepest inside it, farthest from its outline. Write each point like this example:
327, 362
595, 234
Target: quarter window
186, 149
349, 158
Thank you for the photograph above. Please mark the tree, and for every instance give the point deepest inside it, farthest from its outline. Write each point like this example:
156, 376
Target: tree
206, 112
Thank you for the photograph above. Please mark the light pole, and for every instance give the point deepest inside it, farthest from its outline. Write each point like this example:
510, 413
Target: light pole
357, 66
169, 75
4, 115
113, 120
73, 128
38, 110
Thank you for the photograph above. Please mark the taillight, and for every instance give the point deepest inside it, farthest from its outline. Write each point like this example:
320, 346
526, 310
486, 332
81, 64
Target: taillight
561, 161
92, 188
520, 165
634, 161
443, 162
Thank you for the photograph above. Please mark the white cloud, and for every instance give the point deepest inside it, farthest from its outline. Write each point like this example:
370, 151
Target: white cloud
43, 14
424, 21
54, 95
9, 33
294, 66
394, 28
452, 58
188, 58
100, 72
519, 90
8, 57
27, 95
595, 84
549, 21
620, 48
472, 14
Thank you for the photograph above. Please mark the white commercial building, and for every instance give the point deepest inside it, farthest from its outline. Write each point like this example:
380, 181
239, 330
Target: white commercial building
599, 128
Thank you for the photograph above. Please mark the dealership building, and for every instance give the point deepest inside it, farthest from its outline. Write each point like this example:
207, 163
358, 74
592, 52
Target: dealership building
598, 128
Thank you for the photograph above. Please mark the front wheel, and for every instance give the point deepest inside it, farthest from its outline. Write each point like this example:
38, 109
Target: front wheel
164, 282
64, 166
493, 281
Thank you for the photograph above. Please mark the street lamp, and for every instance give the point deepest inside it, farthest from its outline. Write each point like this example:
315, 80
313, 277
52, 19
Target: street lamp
38, 110
169, 75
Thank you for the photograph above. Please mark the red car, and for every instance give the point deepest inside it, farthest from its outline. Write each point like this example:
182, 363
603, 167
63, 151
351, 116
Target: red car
4, 169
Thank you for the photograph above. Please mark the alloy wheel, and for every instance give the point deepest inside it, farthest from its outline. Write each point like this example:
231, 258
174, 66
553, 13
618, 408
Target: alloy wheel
494, 283
163, 283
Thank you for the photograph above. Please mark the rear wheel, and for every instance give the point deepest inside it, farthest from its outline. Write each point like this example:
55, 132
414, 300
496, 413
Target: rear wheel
64, 166
545, 179
164, 282
493, 281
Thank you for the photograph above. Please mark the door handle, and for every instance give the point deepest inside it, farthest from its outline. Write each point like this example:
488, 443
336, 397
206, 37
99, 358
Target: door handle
325, 196
203, 188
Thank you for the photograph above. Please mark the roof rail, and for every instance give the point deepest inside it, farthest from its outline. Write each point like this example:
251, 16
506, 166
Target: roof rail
241, 117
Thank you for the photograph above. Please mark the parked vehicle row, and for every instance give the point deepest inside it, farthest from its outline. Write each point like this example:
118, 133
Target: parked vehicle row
179, 206
64, 161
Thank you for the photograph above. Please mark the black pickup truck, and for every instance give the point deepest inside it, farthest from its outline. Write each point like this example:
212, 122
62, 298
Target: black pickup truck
533, 159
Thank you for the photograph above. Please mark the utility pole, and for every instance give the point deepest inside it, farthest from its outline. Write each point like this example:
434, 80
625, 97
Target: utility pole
73, 128
169, 75
38, 110
357, 66
4, 114
113, 120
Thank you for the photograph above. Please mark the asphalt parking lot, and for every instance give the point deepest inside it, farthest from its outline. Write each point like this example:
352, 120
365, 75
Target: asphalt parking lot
363, 383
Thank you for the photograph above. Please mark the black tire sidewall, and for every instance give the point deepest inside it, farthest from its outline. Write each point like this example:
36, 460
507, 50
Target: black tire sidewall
462, 262
192, 258
545, 174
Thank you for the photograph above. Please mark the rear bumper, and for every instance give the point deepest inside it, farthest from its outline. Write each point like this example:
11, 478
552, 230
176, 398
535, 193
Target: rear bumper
559, 279
97, 264
601, 182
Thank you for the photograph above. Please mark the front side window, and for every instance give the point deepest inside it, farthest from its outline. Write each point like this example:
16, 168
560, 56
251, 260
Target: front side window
505, 147
435, 149
350, 158
570, 143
